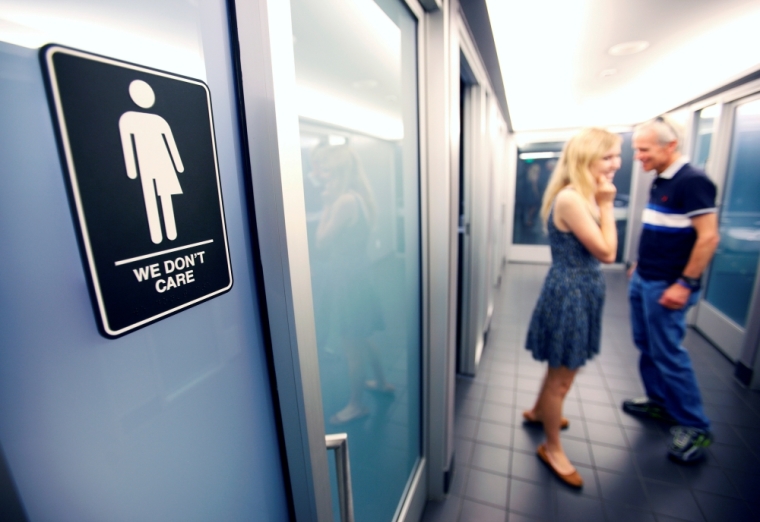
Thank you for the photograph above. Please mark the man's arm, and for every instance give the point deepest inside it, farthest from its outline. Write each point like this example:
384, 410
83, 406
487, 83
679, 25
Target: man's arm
708, 238
706, 226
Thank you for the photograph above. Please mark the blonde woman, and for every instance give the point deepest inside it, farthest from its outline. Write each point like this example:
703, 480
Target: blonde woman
565, 328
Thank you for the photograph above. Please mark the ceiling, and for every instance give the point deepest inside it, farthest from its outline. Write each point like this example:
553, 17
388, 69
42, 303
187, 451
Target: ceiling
551, 53
558, 74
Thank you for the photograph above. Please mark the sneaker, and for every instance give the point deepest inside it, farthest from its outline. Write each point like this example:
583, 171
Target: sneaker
643, 407
688, 444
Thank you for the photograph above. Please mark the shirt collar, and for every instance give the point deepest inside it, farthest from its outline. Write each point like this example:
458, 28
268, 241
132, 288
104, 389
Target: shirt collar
671, 171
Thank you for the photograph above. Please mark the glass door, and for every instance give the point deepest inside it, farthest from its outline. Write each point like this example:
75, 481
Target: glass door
535, 164
723, 311
356, 75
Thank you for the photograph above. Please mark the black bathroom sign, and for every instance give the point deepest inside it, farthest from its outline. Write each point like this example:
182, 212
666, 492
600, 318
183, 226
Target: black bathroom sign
139, 150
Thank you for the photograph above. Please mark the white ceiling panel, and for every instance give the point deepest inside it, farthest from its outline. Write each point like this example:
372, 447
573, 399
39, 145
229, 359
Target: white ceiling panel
558, 73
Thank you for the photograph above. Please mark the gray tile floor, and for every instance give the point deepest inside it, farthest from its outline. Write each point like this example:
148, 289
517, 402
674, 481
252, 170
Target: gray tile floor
622, 459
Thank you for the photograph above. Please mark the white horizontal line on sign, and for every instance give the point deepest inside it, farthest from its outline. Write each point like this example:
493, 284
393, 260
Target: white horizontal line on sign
147, 256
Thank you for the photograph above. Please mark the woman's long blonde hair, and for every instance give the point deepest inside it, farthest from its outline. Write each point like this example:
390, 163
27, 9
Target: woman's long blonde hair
343, 163
573, 166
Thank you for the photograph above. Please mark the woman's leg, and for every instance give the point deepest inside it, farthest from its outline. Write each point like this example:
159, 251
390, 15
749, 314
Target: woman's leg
534, 414
355, 407
379, 383
556, 386
355, 371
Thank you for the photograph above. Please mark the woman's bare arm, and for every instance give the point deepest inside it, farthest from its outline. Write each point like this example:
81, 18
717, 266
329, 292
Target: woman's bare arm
571, 211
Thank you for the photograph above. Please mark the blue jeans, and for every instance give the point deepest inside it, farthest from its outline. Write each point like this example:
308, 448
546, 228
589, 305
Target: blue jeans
665, 365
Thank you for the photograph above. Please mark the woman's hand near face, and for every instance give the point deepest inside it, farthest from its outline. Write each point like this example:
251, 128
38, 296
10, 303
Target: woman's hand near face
342, 212
331, 190
605, 191
600, 239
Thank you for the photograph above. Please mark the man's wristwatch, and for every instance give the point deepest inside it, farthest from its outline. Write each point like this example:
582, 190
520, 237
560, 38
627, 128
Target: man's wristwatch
692, 283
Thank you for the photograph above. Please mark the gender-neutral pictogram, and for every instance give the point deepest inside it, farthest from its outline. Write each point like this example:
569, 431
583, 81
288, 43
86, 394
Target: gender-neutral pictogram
151, 152
139, 153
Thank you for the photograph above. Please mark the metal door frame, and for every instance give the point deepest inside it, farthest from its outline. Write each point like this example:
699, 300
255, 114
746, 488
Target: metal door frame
481, 116
470, 340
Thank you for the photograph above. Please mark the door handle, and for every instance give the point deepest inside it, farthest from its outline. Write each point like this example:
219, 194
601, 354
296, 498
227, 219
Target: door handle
339, 443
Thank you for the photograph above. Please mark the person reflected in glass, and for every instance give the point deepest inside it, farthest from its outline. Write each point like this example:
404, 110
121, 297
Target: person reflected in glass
546, 172
343, 233
565, 327
532, 195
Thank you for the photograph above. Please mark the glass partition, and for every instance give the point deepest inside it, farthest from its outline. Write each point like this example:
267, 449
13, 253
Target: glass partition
705, 126
622, 183
356, 74
734, 267
535, 164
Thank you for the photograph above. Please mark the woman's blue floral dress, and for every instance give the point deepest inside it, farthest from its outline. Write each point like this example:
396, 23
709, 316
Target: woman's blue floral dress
565, 329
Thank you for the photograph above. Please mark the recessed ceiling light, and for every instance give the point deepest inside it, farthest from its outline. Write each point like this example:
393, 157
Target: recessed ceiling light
365, 84
607, 72
626, 48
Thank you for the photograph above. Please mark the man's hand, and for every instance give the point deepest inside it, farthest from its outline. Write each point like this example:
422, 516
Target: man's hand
632, 269
675, 297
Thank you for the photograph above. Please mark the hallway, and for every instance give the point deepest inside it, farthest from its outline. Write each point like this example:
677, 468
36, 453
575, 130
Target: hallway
622, 459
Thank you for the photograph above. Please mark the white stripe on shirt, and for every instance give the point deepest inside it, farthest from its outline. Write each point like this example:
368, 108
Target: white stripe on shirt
660, 219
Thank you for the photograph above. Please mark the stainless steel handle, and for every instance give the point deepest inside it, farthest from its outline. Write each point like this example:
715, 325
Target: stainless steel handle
339, 443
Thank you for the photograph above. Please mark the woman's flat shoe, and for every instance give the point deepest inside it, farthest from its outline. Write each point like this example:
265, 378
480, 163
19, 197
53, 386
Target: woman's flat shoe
563, 424
571, 479
345, 416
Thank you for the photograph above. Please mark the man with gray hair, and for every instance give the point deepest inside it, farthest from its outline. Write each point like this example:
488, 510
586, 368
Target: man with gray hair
679, 237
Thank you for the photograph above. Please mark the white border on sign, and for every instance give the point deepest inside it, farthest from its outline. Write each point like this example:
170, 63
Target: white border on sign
49, 52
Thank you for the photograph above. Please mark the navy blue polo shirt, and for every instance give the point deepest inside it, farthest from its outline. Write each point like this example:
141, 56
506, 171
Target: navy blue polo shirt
678, 194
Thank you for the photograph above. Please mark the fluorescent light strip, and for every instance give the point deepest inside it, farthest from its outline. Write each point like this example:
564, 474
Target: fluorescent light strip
538, 155
321, 107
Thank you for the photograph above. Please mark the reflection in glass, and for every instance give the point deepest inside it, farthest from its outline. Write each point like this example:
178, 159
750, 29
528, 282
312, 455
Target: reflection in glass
705, 129
342, 236
734, 267
535, 164
356, 74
